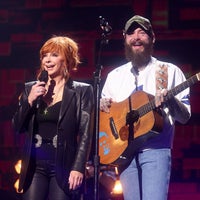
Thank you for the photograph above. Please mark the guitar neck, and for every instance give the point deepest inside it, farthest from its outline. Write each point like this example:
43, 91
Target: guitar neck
171, 93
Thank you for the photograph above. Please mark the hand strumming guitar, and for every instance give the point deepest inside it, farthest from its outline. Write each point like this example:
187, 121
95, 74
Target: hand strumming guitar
105, 104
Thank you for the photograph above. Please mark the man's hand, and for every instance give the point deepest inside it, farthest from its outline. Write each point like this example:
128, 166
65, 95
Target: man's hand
105, 104
159, 97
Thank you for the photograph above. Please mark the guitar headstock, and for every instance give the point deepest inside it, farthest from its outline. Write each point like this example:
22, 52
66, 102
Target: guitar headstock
198, 76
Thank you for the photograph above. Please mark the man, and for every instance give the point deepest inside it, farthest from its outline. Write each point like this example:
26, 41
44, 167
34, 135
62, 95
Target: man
148, 174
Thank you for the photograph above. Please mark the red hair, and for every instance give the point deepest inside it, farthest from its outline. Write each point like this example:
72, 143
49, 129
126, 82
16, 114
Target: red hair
65, 46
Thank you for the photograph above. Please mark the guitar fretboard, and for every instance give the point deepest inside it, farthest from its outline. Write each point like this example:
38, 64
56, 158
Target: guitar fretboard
171, 93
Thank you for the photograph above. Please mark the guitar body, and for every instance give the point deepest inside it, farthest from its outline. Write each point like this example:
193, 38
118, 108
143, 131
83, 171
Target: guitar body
114, 147
113, 131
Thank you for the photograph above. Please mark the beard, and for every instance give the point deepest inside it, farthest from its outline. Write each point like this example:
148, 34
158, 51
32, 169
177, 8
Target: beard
139, 59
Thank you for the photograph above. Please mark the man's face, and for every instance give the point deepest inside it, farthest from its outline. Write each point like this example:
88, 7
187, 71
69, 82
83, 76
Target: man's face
138, 46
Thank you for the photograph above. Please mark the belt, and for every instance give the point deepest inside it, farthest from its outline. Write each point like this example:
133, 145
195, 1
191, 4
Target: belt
38, 140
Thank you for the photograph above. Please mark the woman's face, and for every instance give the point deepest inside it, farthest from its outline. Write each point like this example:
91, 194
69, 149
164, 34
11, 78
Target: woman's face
53, 63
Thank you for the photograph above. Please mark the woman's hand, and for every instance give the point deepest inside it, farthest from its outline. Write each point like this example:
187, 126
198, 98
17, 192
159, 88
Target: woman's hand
75, 180
37, 90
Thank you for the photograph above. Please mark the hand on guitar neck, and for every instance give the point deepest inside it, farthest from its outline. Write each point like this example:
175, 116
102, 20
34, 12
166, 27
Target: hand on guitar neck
159, 97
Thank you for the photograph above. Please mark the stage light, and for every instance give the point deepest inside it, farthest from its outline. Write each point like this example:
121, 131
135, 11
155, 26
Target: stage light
18, 169
16, 185
117, 189
18, 166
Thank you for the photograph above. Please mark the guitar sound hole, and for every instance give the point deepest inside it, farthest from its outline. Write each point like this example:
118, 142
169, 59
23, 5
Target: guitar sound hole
123, 133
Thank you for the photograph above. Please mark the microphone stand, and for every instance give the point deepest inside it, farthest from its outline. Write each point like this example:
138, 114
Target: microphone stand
97, 79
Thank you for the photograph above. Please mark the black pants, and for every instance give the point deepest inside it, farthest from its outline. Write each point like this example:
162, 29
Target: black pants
44, 185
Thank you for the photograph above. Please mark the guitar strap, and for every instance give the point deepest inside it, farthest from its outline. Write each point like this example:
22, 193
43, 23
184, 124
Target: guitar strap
131, 128
161, 77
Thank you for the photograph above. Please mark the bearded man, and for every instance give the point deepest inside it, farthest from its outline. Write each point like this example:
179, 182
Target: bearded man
146, 175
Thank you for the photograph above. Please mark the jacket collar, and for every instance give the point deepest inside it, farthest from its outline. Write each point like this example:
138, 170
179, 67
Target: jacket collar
68, 95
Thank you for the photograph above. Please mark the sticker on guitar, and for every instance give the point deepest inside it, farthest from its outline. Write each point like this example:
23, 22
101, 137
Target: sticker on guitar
103, 143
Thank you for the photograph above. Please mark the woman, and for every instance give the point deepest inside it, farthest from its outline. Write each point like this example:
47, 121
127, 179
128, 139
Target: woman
56, 115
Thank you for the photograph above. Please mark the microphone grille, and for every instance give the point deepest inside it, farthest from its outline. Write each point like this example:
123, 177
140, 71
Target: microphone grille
43, 76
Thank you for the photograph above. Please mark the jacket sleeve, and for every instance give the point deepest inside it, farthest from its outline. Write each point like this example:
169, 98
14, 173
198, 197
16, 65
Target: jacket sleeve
85, 129
23, 113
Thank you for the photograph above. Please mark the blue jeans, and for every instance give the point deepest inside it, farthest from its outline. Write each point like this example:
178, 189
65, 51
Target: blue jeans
148, 176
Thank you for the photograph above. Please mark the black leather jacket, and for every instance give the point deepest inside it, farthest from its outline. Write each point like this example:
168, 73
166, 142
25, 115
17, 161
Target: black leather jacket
74, 132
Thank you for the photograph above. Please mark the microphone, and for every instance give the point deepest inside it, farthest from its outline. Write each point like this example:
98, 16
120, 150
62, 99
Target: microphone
107, 29
43, 77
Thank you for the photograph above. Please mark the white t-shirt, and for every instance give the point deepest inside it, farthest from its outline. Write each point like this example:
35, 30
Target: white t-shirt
123, 81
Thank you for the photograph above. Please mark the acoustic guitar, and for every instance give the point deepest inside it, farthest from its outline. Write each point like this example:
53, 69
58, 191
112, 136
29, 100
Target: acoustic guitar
114, 146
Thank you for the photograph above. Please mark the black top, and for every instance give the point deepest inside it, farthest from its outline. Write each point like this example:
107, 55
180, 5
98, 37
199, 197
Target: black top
46, 123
